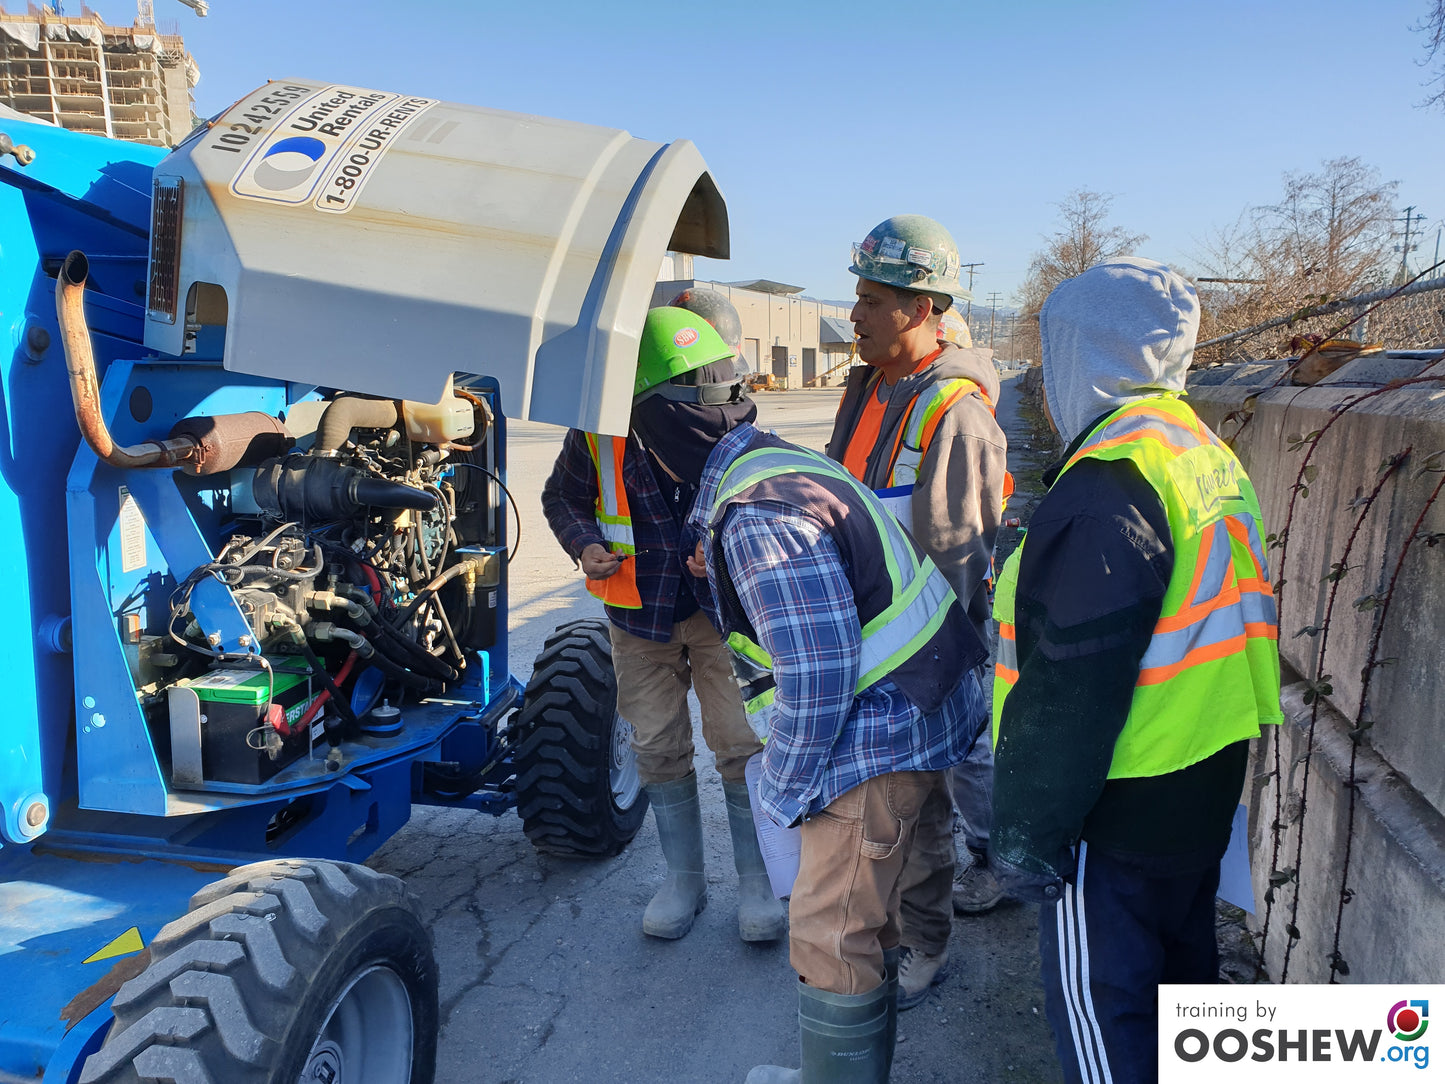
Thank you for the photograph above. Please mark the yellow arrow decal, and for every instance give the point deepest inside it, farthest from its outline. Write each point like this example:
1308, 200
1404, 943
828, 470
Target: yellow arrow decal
124, 945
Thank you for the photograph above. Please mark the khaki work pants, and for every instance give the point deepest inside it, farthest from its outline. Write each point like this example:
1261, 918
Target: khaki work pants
926, 907
844, 910
652, 684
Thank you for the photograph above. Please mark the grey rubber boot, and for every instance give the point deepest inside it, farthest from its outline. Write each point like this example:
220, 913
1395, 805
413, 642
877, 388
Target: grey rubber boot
760, 913
845, 1040
679, 828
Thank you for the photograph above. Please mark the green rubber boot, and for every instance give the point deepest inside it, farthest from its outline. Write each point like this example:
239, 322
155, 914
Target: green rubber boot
845, 1040
890, 983
760, 913
679, 828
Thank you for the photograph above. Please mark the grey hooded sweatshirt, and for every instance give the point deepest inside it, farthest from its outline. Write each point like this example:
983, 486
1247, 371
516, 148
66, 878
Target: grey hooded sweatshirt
958, 497
1091, 584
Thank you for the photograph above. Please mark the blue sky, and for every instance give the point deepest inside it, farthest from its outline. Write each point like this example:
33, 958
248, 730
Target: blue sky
820, 119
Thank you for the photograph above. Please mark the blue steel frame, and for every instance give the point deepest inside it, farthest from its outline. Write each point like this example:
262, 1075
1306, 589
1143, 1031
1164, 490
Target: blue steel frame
118, 846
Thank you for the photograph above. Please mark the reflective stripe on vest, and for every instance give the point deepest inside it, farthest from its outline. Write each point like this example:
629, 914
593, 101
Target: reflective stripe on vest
921, 422
1210, 675
614, 520
920, 598
919, 426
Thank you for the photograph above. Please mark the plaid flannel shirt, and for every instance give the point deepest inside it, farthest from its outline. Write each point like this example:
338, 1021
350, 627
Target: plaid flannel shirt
569, 501
824, 740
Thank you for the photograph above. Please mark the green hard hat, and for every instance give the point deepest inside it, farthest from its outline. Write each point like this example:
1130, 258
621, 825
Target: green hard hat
675, 343
911, 252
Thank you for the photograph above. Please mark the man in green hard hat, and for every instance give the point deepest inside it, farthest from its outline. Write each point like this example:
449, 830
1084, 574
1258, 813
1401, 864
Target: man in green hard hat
620, 516
916, 425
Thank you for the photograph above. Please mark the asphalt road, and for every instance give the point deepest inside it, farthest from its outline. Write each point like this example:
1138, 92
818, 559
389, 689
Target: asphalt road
546, 977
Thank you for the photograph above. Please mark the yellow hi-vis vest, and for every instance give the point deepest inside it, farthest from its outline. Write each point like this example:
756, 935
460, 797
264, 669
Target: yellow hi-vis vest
614, 520
920, 596
1210, 676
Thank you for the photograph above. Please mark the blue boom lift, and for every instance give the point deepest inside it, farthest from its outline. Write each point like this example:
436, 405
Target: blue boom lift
255, 392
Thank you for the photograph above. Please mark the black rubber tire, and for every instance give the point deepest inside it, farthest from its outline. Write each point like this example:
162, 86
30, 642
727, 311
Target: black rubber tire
241, 987
564, 748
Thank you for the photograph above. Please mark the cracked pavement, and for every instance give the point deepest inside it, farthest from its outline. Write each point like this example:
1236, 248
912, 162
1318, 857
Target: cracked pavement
546, 977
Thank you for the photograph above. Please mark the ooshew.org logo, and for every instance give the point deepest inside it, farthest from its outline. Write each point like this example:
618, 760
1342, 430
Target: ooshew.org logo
1406, 1020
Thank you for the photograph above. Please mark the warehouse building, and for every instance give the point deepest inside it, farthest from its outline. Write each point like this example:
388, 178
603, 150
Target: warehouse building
803, 342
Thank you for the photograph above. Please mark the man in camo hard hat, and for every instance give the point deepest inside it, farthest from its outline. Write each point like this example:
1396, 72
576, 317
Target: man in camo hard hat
618, 514
916, 424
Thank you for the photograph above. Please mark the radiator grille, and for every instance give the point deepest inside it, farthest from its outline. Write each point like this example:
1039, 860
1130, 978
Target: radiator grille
165, 269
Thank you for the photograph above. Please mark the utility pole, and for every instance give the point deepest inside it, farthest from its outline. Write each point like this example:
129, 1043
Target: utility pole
992, 312
1410, 219
969, 268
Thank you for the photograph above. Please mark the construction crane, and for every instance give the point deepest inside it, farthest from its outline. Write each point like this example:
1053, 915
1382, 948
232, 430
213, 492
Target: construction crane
145, 10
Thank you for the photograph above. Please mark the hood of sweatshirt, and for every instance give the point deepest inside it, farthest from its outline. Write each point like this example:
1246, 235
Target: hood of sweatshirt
973, 362
1123, 330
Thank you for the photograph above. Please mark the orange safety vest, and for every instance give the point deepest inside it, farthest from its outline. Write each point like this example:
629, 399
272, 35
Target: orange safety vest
920, 422
614, 519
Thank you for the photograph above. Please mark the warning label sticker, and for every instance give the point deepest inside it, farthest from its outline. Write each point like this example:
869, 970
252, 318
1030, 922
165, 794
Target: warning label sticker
311, 145
132, 526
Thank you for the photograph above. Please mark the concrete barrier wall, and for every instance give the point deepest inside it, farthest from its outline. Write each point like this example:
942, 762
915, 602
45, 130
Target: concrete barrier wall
1393, 929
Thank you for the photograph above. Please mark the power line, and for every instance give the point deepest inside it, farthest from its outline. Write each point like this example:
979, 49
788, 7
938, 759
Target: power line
992, 312
1410, 219
969, 268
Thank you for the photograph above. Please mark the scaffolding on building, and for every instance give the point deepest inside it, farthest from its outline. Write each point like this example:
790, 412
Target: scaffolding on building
125, 82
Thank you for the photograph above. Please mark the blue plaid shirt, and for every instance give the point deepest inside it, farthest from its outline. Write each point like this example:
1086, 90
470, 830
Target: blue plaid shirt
793, 585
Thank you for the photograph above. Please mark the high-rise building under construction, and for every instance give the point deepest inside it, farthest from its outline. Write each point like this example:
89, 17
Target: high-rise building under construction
127, 82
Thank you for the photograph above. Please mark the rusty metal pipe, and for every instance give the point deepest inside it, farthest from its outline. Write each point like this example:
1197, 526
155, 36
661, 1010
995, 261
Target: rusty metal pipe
85, 389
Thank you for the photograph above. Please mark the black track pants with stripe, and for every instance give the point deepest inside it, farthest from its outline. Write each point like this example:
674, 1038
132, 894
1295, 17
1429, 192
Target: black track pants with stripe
1120, 930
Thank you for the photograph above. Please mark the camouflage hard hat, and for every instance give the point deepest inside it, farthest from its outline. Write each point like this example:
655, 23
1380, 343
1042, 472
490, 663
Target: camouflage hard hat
953, 328
717, 310
678, 357
911, 252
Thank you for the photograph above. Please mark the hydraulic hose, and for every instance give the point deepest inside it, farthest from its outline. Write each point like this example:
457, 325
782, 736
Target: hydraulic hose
470, 564
85, 388
366, 650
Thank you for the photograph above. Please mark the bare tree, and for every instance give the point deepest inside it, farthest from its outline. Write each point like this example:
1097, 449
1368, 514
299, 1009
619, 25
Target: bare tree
1327, 238
1331, 232
1433, 27
1085, 239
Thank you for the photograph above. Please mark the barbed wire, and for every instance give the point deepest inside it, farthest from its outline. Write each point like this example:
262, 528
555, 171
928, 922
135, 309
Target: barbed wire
1408, 316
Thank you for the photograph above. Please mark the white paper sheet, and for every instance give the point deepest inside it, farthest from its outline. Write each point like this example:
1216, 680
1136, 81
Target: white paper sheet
781, 847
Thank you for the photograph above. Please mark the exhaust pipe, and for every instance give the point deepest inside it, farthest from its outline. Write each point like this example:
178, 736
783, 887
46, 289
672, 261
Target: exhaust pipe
85, 389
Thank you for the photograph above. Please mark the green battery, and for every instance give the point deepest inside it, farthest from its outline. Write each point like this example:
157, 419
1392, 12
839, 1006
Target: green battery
234, 707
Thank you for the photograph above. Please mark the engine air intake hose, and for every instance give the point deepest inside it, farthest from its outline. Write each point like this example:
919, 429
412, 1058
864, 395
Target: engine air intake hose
313, 490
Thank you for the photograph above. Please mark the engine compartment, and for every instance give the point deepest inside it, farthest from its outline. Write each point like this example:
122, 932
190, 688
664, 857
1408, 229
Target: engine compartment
363, 562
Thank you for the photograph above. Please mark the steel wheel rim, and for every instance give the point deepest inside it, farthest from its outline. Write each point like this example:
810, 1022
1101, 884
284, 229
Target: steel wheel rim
622, 775
368, 1034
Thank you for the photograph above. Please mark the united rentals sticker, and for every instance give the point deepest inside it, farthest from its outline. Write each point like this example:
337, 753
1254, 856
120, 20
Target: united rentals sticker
311, 145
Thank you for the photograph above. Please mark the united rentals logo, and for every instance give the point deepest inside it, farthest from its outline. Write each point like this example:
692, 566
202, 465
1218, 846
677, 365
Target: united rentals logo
1407, 1020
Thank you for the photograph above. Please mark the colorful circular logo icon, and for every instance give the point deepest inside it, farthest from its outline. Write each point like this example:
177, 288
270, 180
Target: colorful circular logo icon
1407, 1020
288, 163
686, 337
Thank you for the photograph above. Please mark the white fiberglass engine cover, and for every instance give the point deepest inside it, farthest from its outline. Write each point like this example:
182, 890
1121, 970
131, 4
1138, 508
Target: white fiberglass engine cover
365, 240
